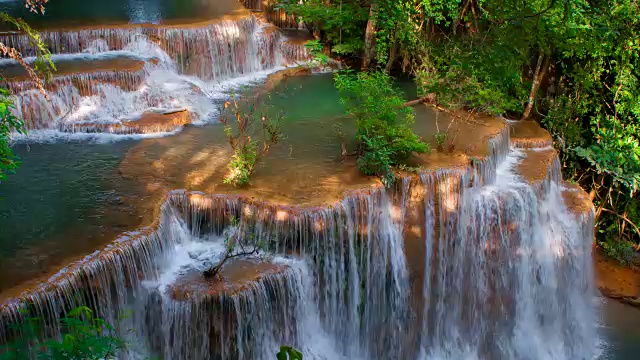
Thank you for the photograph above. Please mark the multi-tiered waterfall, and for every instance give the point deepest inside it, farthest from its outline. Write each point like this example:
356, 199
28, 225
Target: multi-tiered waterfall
108, 77
484, 257
491, 260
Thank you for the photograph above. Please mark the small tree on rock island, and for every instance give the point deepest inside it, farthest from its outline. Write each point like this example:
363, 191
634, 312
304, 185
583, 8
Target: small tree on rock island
251, 123
239, 242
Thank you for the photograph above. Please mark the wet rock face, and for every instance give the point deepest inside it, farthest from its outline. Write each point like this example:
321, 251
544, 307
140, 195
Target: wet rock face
528, 134
148, 123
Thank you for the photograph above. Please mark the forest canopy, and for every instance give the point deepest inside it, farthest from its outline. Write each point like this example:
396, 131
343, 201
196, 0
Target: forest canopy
571, 65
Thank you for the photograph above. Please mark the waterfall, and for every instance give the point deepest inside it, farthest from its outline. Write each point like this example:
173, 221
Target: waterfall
184, 68
509, 274
470, 262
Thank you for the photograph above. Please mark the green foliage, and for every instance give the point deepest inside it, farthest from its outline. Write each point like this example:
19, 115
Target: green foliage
617, 153
315, 48
623, 251
339, 22
287, 352
241, 165
43, 65
84, 337
465, 75
441, 138
376, 158
251, 122
8, 123
383, 123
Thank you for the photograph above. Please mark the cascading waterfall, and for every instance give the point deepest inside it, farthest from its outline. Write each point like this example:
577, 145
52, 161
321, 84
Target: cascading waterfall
181, 70
506, 274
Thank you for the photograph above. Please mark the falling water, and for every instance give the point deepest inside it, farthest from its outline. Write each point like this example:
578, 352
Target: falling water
181, 71
504, 264
509, 274
506, 273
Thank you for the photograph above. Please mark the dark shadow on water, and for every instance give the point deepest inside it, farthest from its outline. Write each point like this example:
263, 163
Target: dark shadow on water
72, 13
620, 330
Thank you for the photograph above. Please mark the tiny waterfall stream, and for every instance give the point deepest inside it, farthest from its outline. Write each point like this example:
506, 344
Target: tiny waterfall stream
503, 266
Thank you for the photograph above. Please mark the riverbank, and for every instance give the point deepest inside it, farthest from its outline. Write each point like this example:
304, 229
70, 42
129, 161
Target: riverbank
617, 281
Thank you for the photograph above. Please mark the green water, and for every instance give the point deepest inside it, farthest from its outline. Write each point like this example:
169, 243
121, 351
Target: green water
56, 205
306, 98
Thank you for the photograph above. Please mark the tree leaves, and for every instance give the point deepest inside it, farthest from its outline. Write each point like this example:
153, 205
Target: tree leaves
288, 353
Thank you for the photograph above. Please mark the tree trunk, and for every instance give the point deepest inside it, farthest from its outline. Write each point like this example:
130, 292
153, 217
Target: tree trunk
430, 98
538, 75
393, 54
369, 39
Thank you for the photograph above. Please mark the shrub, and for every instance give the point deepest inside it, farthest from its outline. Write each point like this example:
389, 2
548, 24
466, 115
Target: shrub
288, 352
251, 121
620, 250
8, 123
315, 49
383, 123
240, 240
83, 337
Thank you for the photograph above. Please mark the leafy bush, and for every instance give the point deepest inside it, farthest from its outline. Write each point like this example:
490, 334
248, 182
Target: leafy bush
622, 251
84, 337
441, 138
8, 123
383, 123
251, 122
336, 22
315, 48
287, 352
241, 165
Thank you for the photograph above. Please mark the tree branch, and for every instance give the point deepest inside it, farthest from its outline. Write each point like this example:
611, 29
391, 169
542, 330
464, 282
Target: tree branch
213, 271
624, 218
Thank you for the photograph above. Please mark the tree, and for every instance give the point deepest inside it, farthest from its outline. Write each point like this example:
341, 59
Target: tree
251, 121
38, 72
383, 122
239, 242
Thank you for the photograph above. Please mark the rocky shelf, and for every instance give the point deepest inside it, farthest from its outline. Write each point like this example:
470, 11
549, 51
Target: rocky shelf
147, 123
314, 186
235, 277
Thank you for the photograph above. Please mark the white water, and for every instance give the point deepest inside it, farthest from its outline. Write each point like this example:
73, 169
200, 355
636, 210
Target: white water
508, 276
515, 278
237, 53
262, 323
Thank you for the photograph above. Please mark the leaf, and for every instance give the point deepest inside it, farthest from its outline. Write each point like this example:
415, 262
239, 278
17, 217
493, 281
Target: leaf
80, 311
